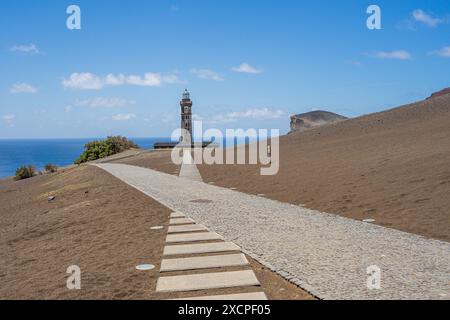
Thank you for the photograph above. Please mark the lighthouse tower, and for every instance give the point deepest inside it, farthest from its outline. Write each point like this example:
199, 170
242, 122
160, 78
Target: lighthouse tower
186, 118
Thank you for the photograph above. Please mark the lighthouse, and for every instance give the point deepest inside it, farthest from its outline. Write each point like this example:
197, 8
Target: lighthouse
186, 139
186, 119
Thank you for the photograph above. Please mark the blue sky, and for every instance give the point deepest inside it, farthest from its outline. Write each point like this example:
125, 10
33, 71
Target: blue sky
247, 63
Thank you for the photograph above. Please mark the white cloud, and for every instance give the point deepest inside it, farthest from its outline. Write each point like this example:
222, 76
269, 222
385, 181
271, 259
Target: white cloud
104, 102
31, 49
207, 74
398, 55
354, 63
9, 119
255, 114
246, 68
422, 17
114, 80
83, 81
124, 116
90, 81
22, 88
444, 52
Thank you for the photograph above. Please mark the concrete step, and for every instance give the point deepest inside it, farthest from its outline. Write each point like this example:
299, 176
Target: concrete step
205, 281
194, 263
200, 248
192, 237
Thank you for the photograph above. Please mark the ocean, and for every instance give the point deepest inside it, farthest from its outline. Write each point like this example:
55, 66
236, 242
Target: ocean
39, 152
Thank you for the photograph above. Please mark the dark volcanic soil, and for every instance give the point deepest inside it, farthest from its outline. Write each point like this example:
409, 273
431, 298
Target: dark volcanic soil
392, 166
95, 222
100, 224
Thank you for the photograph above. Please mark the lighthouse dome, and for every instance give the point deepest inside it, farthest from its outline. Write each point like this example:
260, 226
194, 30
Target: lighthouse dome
186, 95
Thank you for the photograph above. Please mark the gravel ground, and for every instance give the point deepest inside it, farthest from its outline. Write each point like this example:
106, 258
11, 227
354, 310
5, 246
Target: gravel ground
323, 253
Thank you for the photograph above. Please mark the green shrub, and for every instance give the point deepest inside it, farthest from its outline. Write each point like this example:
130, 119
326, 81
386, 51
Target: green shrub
25, 172
50, 168
100, 149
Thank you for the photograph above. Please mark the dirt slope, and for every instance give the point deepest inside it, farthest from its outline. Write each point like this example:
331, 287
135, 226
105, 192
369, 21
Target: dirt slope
392, 166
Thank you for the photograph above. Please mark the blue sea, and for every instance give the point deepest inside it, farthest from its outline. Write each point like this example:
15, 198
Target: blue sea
38, 152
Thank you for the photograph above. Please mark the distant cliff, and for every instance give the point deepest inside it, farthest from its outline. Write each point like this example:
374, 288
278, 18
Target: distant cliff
309, 120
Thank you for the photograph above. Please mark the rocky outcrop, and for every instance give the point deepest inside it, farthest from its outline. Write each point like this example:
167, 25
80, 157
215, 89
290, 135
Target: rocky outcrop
440, 93
313, 119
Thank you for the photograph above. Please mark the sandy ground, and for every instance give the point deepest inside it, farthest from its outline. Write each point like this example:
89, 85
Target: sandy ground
390, 166
95, 222
98, 223
157, 160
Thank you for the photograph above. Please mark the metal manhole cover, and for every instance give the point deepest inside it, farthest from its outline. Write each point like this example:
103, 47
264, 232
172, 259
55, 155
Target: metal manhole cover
145, 267
201, 201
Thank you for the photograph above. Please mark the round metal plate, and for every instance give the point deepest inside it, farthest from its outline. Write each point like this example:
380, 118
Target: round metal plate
145, 267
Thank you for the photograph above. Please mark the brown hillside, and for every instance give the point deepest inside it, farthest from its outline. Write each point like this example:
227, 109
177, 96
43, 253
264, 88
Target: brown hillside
440, 93
392, 166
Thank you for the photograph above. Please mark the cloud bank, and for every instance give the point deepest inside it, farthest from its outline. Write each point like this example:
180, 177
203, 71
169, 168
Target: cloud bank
396, 55
254, 114
246, 68
101, 102
91, 81
207, 74
31, 49
124, 116
444, 52
425, 18
22, 88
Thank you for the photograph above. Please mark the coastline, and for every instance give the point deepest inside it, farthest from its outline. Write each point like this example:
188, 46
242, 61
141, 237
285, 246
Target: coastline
39, 152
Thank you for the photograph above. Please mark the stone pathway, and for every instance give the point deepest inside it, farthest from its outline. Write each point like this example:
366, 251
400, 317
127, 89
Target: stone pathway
325, 254
187, 231
188, 168
196, 263
186, 228
200, 248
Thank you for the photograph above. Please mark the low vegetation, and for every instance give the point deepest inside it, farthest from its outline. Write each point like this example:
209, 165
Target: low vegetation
50, 168
100, 149
25, 172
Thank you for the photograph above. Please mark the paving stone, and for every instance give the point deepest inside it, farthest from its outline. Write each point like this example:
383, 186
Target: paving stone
204, 281
193, 263
190, 237
233, 297
177, 215
189, 169
187, 228
180, 221
200, 248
